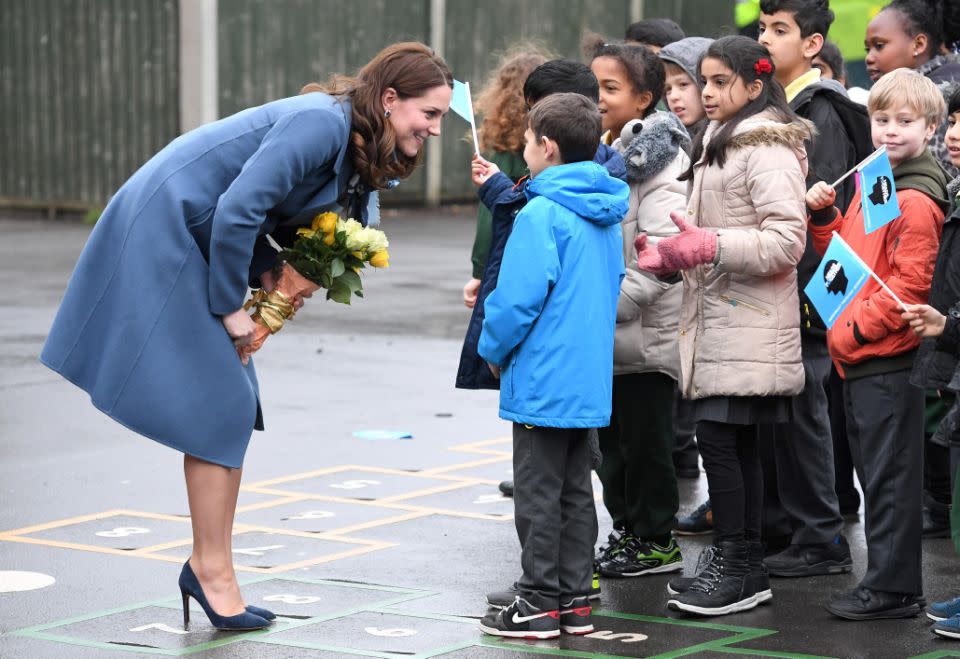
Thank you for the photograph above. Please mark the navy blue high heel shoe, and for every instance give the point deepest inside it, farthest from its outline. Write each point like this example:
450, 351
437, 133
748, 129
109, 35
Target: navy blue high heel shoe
266, 614
190, 587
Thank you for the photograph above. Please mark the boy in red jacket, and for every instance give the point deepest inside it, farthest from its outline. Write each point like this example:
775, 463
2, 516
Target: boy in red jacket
873, 347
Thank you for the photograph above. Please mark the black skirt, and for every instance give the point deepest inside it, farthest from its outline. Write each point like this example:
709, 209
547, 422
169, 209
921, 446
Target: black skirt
743, 410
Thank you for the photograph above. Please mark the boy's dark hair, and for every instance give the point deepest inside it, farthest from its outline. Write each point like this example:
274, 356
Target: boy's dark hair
811, 16
654, 31
953, 103
831, 55
922, 17
561, 75
644, 69
572, 121
740, 54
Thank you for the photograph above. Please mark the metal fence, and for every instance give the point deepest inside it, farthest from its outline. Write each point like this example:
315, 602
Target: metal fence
92, 88
88, 92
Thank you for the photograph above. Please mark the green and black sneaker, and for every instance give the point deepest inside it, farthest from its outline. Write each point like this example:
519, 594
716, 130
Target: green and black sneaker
638, 557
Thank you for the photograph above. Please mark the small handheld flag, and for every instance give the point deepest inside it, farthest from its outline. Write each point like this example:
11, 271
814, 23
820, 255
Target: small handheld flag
878, 193
462, 105
877, 190
837, 280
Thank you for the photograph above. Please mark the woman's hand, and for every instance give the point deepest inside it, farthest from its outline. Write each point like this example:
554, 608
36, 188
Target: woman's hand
481, 169
820, 196
268, 283
470, 292
924, 320
240, 327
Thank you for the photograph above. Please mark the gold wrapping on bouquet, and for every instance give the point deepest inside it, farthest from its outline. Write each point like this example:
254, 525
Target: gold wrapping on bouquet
273, 309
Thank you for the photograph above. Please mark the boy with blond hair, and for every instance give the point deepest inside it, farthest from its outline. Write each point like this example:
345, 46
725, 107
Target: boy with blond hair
873, 347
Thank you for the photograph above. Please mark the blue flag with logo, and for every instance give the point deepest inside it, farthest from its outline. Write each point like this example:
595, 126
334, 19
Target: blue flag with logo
878, 194
839, 277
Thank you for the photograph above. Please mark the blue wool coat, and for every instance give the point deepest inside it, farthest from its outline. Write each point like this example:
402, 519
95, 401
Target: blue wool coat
139, 328
505, 200
550, 321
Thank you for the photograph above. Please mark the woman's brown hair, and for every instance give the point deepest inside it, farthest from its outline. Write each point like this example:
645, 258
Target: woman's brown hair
410, 68
501, 102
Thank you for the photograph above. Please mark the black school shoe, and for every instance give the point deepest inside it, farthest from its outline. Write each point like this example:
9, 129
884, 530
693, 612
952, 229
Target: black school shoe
506, 488
865, 604
522, 620
699, 522
811, 560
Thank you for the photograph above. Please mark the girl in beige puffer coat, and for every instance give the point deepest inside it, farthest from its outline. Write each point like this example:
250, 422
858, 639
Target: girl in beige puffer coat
738, 247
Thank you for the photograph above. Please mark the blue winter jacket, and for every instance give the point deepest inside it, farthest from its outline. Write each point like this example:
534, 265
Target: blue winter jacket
505, 200
550, 321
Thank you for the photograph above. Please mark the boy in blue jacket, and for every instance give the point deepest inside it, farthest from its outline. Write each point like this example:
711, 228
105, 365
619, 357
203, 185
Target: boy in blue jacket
549, 327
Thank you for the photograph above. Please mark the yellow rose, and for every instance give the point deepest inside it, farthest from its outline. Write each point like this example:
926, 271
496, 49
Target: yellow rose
380, 260
328, 223
304, 231
329, 239
324, 222
358, 255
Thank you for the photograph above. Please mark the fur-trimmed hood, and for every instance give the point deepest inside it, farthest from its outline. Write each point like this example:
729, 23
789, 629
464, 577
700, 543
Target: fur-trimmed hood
764, 128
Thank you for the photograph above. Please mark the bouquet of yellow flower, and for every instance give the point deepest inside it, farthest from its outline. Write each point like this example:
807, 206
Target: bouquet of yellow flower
330, 254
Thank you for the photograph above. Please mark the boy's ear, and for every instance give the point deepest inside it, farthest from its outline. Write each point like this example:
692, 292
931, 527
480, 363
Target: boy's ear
812, 46
551, 149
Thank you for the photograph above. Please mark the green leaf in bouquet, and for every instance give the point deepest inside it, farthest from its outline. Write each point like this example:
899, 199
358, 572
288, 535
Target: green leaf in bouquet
352, 280
336, 268
339, 292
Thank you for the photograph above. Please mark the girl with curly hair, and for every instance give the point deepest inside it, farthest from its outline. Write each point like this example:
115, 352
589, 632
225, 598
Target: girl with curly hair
504, 111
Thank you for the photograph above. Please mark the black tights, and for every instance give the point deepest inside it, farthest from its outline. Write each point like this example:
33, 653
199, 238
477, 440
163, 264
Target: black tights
731, 458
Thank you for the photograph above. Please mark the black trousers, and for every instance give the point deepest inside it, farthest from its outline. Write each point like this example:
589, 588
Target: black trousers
639, 481
731, 458
885, 428
554, 513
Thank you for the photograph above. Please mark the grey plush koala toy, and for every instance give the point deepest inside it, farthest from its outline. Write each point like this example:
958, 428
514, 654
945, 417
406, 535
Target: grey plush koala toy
650, 144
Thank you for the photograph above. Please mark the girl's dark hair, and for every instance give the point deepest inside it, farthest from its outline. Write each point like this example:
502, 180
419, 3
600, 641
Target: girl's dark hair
953, 103
923, 17
830, 53
740, 54
644, 69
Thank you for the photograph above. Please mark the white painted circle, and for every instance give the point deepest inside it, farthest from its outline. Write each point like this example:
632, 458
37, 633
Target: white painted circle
12, 581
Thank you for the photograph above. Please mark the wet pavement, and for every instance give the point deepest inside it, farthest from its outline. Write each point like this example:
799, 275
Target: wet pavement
365, 547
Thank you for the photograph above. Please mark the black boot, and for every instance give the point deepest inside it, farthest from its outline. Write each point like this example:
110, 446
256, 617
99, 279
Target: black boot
722, 587
758, 579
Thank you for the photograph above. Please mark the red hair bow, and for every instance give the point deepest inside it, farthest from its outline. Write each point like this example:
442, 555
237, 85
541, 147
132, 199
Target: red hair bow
762, 66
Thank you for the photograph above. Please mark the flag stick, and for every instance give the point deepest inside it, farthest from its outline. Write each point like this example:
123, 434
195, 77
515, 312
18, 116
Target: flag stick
870, 270
859, 165
473, 123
